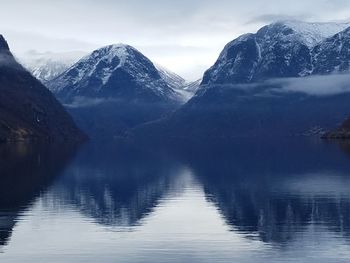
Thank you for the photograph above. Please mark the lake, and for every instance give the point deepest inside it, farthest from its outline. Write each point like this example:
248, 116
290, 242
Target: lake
240, 201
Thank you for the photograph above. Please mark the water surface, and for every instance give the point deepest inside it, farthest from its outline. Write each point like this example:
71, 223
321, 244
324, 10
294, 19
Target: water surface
240, 201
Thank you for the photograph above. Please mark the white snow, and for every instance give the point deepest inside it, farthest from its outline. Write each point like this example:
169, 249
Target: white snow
314, 33
105, 54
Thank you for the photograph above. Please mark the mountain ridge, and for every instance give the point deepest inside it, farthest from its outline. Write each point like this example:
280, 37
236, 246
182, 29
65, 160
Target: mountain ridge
276, 50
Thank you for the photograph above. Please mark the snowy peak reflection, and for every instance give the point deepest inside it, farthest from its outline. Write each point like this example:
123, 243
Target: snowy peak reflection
116, 184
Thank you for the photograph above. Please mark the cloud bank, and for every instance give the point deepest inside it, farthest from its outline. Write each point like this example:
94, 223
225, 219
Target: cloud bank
314, 85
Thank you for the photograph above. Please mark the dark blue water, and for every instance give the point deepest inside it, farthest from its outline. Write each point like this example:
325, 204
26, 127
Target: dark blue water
240, 201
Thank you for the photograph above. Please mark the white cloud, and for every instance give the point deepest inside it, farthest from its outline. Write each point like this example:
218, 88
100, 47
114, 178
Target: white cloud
315, 85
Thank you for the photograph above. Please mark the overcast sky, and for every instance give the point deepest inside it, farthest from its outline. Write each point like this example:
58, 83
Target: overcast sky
185, 36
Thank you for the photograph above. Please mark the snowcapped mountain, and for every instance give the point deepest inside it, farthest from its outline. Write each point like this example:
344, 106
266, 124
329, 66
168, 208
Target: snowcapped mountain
282, 49
113, 89
27, 109
274, 59
47, 66
118, 71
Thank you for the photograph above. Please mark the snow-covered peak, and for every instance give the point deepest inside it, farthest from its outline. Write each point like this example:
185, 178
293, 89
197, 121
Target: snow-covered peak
113, 69
103, 61
311, 33
109, 53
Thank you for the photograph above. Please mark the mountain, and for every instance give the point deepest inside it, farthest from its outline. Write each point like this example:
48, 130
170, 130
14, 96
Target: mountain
276, 82
177, 83
48, 65
332, 55
113, 89
174, 81
27, 109
113, 71
282, 49
192, 86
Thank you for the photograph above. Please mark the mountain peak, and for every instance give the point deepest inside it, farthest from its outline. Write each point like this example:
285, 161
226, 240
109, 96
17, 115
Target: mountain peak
113, 71
3, 44
118, 47
310, 33
115, 54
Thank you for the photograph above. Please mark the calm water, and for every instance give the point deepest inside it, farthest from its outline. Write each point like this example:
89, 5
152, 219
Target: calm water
246, 201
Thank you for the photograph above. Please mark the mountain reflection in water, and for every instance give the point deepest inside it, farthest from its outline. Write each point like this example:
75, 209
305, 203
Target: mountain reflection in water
169, 202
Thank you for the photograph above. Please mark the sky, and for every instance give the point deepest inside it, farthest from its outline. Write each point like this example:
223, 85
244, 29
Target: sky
186, 36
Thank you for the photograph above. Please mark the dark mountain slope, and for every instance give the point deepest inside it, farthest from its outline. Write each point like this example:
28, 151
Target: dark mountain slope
27, 109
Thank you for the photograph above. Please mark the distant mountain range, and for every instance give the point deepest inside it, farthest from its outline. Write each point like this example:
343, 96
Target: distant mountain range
28, 111
288, 79
179, 84
48, 65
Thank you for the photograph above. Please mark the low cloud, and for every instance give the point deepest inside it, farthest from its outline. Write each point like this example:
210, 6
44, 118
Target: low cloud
315, 85
84, 102
269, 18
319, 85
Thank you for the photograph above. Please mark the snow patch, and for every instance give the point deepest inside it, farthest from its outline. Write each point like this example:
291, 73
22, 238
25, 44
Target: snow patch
314, 33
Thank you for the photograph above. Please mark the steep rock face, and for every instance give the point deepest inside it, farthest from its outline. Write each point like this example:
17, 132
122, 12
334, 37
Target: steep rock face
282, 49
333, 54
284, 52
113, 89
27, 109
236, 63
